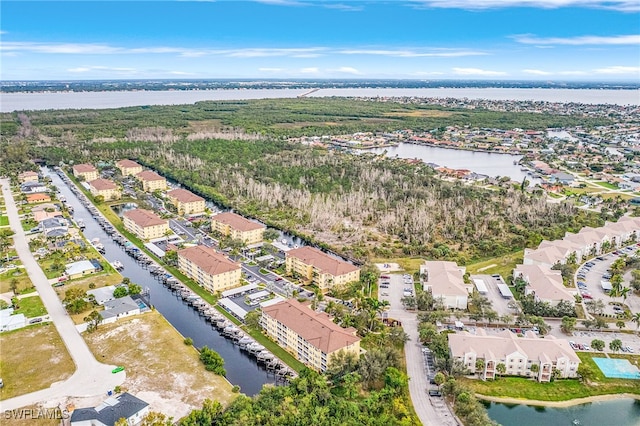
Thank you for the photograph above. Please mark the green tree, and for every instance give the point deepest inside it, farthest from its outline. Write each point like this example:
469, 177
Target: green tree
636, 318
568, 324
598, 345
270, 234
439, 378
252, 319
615, 345
620, 324
212, 361
501, 368
153, 418
120, 292
535, 369
480, 366
93, 320
134, 289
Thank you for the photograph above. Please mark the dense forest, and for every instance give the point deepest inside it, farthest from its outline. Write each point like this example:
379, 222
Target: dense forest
236, 153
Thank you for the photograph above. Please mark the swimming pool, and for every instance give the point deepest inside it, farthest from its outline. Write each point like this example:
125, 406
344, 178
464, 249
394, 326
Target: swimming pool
617, 368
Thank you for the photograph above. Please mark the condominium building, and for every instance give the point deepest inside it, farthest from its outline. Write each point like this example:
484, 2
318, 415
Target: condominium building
186, 202
544, 283
319, 268
28, 177
446, 283
308, 335
212, 270
238, 228
128, 167
87, 172
151, 181
105, 188
517, 354
145, 224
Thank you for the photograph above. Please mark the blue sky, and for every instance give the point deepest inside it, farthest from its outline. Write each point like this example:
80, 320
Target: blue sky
588, 40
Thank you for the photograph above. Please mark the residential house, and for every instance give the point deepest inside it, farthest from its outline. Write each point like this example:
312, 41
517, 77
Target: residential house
446, 283
28, 177
32, 187
210, 269
41, 215
119, 308
562, 178
186, 202
105, 188
128, 167
54, 226
123, 406
9, 321
145, 224
38, 198
310, 336
517, 354
238, 228
79, 269
151, 181
319, 268
86, 172
103, 294
544, 283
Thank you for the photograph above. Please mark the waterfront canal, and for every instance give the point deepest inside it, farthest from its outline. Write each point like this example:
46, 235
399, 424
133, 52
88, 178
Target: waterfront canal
242, 370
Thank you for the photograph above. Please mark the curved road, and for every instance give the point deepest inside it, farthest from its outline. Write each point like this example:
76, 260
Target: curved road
91, 377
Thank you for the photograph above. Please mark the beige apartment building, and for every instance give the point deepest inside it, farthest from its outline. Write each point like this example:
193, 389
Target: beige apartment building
186, 202
319, 268
238, 228
212, 270
106, 188
145, 224
308, 335
86, 172
517, 354
446, 283
151, 181
128, 167
28, 177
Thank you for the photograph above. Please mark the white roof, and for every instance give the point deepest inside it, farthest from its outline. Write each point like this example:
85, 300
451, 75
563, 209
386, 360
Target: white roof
480, 285
79, 267
231, 306
102, 294
270, 302
258, 295
7, 320
444, 278
238, 290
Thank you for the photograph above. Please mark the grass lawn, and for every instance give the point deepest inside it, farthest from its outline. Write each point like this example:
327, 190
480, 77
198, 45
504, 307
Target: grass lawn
158, 364
554, 195
31, 307
20, 275
409, 264
4, 221
32, 359
560, 390
502, 265
606, 184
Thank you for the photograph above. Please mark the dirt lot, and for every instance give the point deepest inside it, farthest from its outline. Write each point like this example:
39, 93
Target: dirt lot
32, 359
161, 369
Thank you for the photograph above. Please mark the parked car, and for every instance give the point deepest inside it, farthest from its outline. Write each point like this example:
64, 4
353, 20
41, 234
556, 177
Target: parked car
35, 321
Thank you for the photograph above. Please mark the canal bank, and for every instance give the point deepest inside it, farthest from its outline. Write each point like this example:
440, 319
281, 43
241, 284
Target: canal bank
242, 370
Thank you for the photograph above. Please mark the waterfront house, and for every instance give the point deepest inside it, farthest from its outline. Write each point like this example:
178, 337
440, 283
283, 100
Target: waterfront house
86, 172
79, 269
310, 336
103, 294
186, 202
238, 228
124, 406
33, 187
210, 269
28, 177
128, 167
319, 268
116, 309
517, 354
446, 283
544, 283
145, 224
151, 181
105, 188
49, 225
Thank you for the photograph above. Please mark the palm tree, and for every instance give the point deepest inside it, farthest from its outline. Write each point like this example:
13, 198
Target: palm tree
535, 368
636, 318
501, 368
624, 293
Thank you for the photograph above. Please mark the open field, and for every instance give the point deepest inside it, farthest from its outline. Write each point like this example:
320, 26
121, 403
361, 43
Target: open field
22, 280
606, 184
160, 368
420, 113
31, 307
32, 359
560, 390
4, 221
409, 264
502, 265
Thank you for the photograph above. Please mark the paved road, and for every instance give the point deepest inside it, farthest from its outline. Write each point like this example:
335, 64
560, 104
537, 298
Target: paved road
91, 377
431, 411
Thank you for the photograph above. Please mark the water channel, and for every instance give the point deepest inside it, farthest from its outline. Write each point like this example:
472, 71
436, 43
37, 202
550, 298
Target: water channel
618, 412
242, 370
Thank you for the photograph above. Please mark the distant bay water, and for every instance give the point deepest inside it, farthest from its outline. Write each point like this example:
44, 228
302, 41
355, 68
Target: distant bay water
10, 102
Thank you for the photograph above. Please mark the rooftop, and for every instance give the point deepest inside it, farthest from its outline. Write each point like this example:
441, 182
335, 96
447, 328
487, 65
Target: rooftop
445, 278
324, 262
149, 176
127, 164
144, 218
84, 168
111, 410
102, 184
316, 328
208, 260
184, 196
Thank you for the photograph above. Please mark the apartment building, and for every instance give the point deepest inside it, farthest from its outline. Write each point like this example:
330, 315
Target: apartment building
544, 283
128, 167
28, 177
212, 270
308, 335
186, 202
145, 224
517, 354
319, 268
238, 228
105, 188
87, 172
151, 181
446, 283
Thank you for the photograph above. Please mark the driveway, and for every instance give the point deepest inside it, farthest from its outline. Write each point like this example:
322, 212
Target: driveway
430, 410
91, 377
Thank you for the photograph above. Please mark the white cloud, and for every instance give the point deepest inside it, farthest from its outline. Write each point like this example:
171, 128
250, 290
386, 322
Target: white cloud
310, 70
426, 73
265, 52
618, 70
101, 68
536, 72
620, 5
347, 70
180, 73
576, 72
270, 69
445, 53
632, 39
477, 71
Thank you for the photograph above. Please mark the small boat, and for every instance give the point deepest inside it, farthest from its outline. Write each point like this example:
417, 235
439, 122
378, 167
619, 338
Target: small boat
284, 242
295, 246
117, 265
81, 224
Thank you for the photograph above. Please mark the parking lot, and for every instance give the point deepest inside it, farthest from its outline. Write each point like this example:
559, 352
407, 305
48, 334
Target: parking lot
501, 305
589, 279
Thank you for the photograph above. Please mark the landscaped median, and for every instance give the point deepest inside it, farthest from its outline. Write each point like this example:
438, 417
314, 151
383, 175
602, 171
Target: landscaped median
526, 391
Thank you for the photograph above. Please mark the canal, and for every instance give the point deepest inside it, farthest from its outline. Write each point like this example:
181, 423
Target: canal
242, 370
